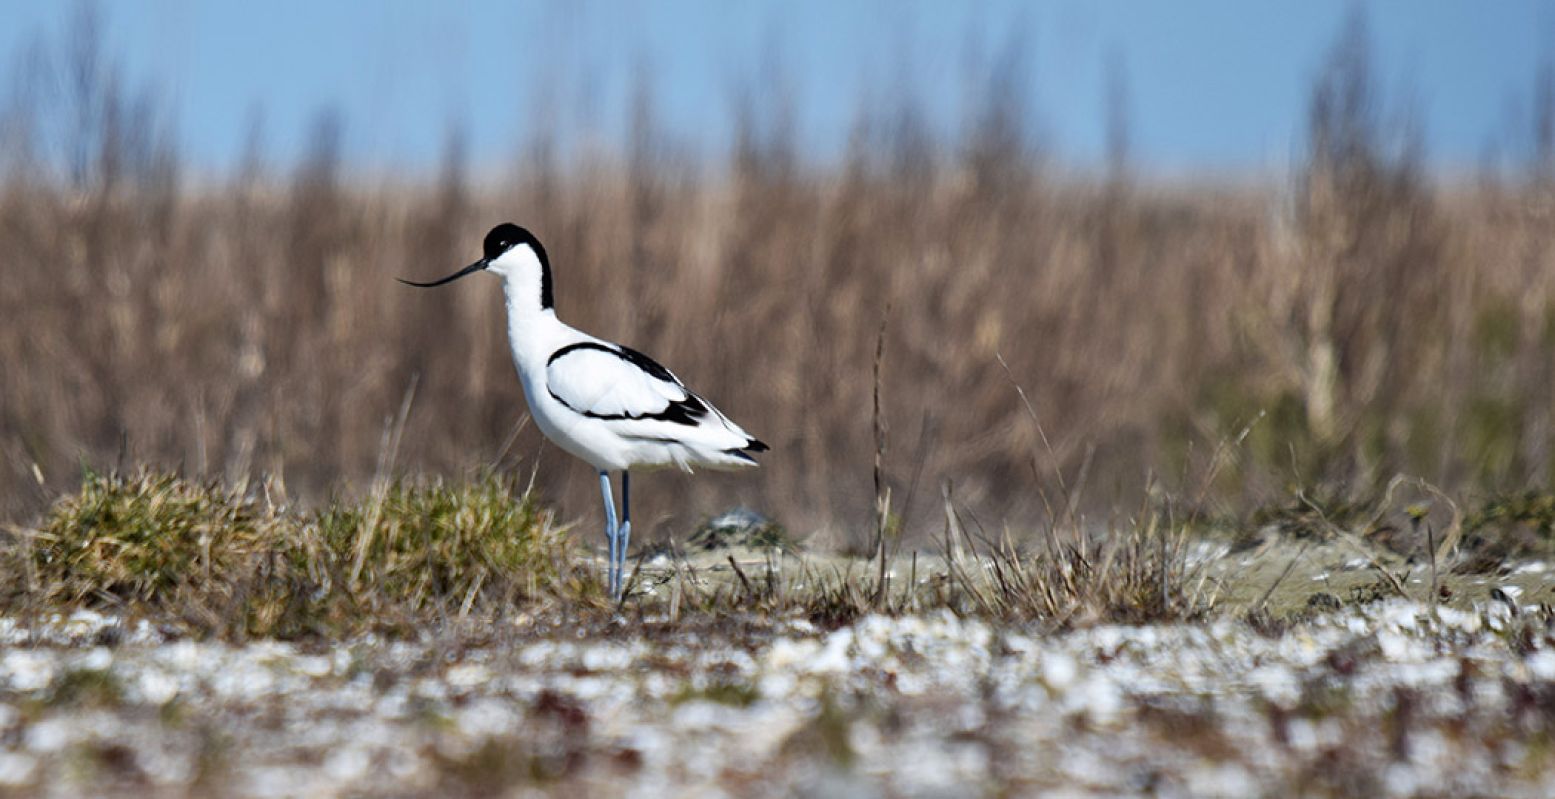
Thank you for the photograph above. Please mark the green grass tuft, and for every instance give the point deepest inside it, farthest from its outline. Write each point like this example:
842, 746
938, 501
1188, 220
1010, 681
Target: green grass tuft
140, 538
416, 545
235, 562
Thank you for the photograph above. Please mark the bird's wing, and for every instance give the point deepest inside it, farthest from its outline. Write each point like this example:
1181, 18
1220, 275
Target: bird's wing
608, 381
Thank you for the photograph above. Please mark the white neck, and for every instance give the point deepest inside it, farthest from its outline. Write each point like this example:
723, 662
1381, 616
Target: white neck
530, 327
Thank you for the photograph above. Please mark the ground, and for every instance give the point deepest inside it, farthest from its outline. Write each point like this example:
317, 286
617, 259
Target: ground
1363, 691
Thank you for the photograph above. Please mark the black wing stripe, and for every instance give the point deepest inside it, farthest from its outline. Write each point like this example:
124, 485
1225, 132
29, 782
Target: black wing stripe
627, 354
689, 411
584, 345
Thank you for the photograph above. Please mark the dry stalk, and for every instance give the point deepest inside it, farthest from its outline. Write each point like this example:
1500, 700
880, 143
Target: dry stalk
882, 493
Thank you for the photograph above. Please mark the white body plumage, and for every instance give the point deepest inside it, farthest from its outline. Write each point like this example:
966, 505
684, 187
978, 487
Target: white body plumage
606, 404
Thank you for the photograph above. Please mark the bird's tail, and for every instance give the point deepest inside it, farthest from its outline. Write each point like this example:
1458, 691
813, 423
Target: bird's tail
740, 457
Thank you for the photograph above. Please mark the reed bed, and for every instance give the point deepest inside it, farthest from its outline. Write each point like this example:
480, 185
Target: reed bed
1045, 332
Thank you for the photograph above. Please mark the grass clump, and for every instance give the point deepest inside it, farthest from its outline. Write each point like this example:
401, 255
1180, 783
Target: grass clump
1314, 513
1534, 510
417, 545
1133, 574
234, 561
1508, 527
145, 537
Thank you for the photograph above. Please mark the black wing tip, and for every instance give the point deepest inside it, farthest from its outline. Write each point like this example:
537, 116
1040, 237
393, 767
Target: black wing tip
742, 455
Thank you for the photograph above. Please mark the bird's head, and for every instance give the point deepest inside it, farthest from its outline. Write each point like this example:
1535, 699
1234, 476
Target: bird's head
513, 254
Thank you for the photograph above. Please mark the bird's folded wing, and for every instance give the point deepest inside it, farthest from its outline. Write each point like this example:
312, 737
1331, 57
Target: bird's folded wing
603, 381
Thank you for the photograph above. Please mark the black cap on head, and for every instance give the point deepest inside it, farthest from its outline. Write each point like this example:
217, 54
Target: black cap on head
505, 237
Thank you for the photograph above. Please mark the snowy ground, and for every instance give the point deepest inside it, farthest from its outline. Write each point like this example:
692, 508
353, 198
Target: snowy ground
1391, 698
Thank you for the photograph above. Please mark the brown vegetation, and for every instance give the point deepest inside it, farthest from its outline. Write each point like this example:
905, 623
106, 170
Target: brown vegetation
1361, 322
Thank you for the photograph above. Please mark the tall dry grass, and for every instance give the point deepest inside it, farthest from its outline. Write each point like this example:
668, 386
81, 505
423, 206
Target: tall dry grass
1357, 320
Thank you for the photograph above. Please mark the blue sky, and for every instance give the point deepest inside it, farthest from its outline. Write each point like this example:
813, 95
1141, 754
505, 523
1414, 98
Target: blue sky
1212, 85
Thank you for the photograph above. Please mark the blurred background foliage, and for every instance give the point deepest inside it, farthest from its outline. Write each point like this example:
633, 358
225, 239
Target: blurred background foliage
1216, 340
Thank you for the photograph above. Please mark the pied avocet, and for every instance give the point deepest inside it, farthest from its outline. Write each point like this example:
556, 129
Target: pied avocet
610, 405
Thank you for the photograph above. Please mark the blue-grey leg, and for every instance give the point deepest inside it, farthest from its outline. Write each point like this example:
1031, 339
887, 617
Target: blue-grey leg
610, 530
624, 535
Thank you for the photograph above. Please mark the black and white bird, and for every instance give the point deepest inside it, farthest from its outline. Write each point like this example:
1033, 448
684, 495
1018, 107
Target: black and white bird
610, 405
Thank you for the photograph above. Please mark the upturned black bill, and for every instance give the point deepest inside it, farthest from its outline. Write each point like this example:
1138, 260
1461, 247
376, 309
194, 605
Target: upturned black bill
475, 267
